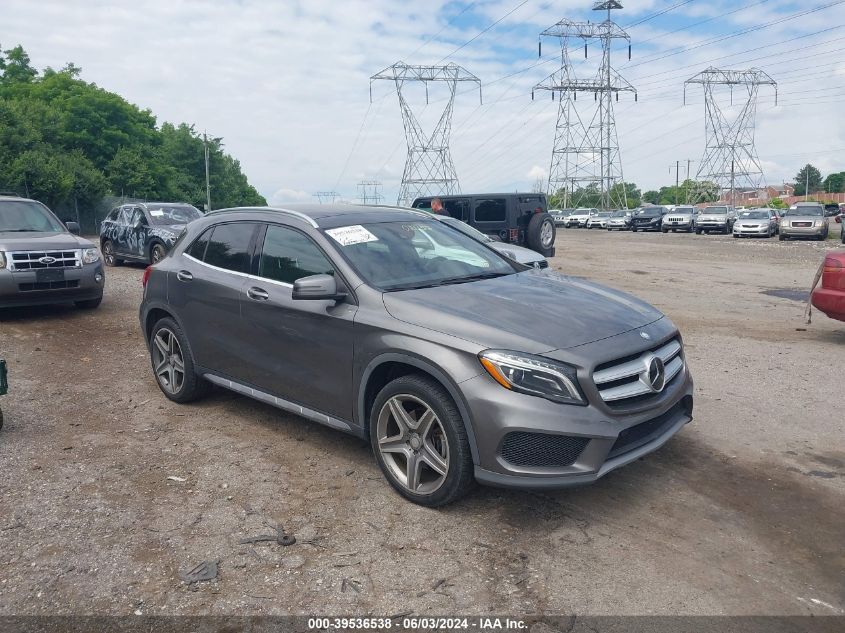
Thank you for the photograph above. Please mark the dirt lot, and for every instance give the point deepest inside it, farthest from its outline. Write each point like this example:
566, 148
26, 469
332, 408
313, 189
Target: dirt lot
742, 513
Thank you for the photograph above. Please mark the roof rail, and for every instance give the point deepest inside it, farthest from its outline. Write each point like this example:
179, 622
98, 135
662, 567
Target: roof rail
395, 207
295, 214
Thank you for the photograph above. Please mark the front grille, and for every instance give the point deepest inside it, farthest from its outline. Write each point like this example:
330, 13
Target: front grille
521, 448
644, 432
49, 285
624, 382
36, 260
677, 219
802, 224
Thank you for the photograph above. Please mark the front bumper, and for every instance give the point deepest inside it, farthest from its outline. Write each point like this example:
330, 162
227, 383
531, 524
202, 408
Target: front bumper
802, 231
757, 230
712, 226
21, 288
600, 440
683, 226
646, 227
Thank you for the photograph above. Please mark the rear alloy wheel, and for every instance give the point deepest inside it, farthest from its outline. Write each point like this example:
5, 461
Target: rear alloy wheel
157, 253
420, 442
173, 363
108, 254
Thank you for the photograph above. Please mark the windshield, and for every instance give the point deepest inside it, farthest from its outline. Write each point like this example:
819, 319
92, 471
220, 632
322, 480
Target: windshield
754, 215
418, 254
466, 229
814, 211
23, 216
162, 215
683, 210
604, 214
619, 214
651, 212
716, 210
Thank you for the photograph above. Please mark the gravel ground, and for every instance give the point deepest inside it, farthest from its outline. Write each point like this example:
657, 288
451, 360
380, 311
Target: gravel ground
742, 513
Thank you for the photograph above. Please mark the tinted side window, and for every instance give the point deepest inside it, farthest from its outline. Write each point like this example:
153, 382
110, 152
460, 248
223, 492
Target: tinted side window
491, 210
457, 209
423, 204
125, 215
228, 246
113, 215
136, 216
288, 255
197, 249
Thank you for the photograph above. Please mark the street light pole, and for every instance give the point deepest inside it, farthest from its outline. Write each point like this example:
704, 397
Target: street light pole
207, 181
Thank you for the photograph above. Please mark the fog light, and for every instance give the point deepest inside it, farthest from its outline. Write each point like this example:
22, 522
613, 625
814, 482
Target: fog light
98, 278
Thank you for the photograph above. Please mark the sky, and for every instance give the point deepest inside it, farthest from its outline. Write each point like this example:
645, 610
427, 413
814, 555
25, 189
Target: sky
287, 83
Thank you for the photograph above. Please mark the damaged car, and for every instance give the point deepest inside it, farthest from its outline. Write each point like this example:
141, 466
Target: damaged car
143, 232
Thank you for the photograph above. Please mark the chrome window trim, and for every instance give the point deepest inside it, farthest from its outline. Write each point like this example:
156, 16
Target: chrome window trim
235, 272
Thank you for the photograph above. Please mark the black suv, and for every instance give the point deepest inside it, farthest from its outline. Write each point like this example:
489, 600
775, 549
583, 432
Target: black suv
648, 219
143, 232
515, 218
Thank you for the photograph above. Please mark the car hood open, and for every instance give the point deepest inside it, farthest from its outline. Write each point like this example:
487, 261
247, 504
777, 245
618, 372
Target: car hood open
37, 241
533, 311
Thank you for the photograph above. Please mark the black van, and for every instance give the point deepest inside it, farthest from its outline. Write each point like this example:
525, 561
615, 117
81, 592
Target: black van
515, 218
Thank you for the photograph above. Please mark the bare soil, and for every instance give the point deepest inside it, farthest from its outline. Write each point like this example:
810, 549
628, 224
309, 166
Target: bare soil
742, 513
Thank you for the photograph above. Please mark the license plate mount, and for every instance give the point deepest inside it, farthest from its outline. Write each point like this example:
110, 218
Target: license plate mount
47, 275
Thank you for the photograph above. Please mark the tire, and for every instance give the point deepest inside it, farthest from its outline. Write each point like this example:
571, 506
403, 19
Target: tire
736, 235
192, 386
109, 257
1, 418
664, 230
89, 304
541, 234
157, 253
634, 230
446, 436
781, 237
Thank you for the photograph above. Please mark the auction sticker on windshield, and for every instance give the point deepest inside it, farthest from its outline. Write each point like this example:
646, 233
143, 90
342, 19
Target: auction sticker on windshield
349, 235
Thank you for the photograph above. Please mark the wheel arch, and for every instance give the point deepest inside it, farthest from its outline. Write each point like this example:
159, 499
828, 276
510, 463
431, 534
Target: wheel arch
390, 366
153, 241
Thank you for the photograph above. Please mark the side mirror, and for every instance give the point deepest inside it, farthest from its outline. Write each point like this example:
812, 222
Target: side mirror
73, 227
316, 288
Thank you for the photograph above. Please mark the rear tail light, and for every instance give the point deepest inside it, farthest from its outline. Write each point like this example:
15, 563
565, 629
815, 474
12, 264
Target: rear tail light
146, 276
832, 265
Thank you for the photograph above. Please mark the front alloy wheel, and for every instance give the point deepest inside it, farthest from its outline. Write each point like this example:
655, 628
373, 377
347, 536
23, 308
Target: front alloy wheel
413, 444
420, 442
157, 253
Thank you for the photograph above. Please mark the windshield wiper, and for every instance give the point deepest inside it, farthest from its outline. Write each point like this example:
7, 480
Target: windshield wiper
19, 231
477, 277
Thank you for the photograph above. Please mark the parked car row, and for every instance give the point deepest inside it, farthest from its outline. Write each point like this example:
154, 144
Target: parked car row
802, 220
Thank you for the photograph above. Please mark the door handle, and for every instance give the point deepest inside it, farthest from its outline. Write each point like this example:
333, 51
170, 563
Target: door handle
257, 294
184, 275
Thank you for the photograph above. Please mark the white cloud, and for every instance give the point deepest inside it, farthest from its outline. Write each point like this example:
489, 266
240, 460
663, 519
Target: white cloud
537, 172
283, 196
286, 84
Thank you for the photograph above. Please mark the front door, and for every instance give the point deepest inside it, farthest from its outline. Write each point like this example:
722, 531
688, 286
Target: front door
301, 350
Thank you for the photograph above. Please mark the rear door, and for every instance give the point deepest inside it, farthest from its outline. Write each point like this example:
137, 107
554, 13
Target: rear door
206, 292
458, 208
301, 350
490, 215
121, 230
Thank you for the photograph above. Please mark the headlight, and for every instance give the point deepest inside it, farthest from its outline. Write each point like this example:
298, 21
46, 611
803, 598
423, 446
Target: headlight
534, 375
2, 260
90, 255
819, 222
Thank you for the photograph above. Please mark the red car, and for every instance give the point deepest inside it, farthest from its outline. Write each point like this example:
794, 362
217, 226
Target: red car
830, 297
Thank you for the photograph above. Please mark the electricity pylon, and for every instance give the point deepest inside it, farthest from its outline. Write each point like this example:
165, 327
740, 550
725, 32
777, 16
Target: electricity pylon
369, 192
730, 159
429, 170
326, 195
586, 156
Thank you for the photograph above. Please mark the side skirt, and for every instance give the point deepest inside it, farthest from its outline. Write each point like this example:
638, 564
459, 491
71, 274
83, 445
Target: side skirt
285, 405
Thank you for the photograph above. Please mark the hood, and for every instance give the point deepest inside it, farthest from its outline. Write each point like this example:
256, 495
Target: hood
39, 241
519, 253
713, 217
534, 311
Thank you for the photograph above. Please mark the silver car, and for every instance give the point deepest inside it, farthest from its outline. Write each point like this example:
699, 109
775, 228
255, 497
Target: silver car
517, 253
759, 222
804, 219
680, 218
619, 221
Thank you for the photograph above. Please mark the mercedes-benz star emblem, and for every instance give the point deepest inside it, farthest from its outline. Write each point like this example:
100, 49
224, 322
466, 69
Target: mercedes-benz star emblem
645, 336
656, 373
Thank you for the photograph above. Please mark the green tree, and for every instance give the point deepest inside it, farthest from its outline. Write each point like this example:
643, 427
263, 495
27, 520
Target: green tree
805, 174
834, 183
17, 67
651, 196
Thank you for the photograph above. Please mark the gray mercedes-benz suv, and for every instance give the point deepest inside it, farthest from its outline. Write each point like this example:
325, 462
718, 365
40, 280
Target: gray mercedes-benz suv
455, 363
42, 261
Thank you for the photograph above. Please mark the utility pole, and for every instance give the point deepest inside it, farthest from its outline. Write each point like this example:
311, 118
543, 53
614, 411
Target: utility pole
207, 181
807, 183
370, 192
326, 195
729, 152
677, 183
429, 170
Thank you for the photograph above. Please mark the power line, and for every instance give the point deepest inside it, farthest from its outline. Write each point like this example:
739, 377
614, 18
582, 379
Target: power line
467, 43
